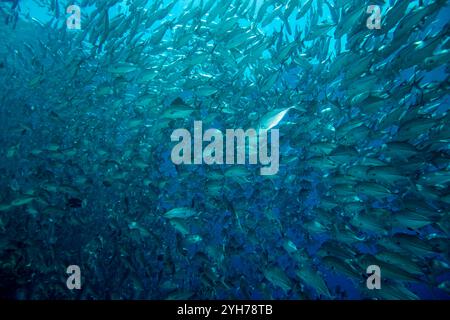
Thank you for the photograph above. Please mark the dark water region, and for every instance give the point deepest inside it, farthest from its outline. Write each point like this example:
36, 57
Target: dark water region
88, 107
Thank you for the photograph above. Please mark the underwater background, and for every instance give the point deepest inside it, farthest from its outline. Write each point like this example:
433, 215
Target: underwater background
86, 117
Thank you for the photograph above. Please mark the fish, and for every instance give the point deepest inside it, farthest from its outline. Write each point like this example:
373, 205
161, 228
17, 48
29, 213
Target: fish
278, 278
314, 279
272, 119
87, 117
180, 213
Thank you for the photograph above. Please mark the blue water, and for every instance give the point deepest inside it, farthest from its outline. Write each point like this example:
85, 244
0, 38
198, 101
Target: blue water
114, 226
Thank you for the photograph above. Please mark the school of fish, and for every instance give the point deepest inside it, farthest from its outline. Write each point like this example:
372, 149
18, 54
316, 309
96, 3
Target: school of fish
86, 176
